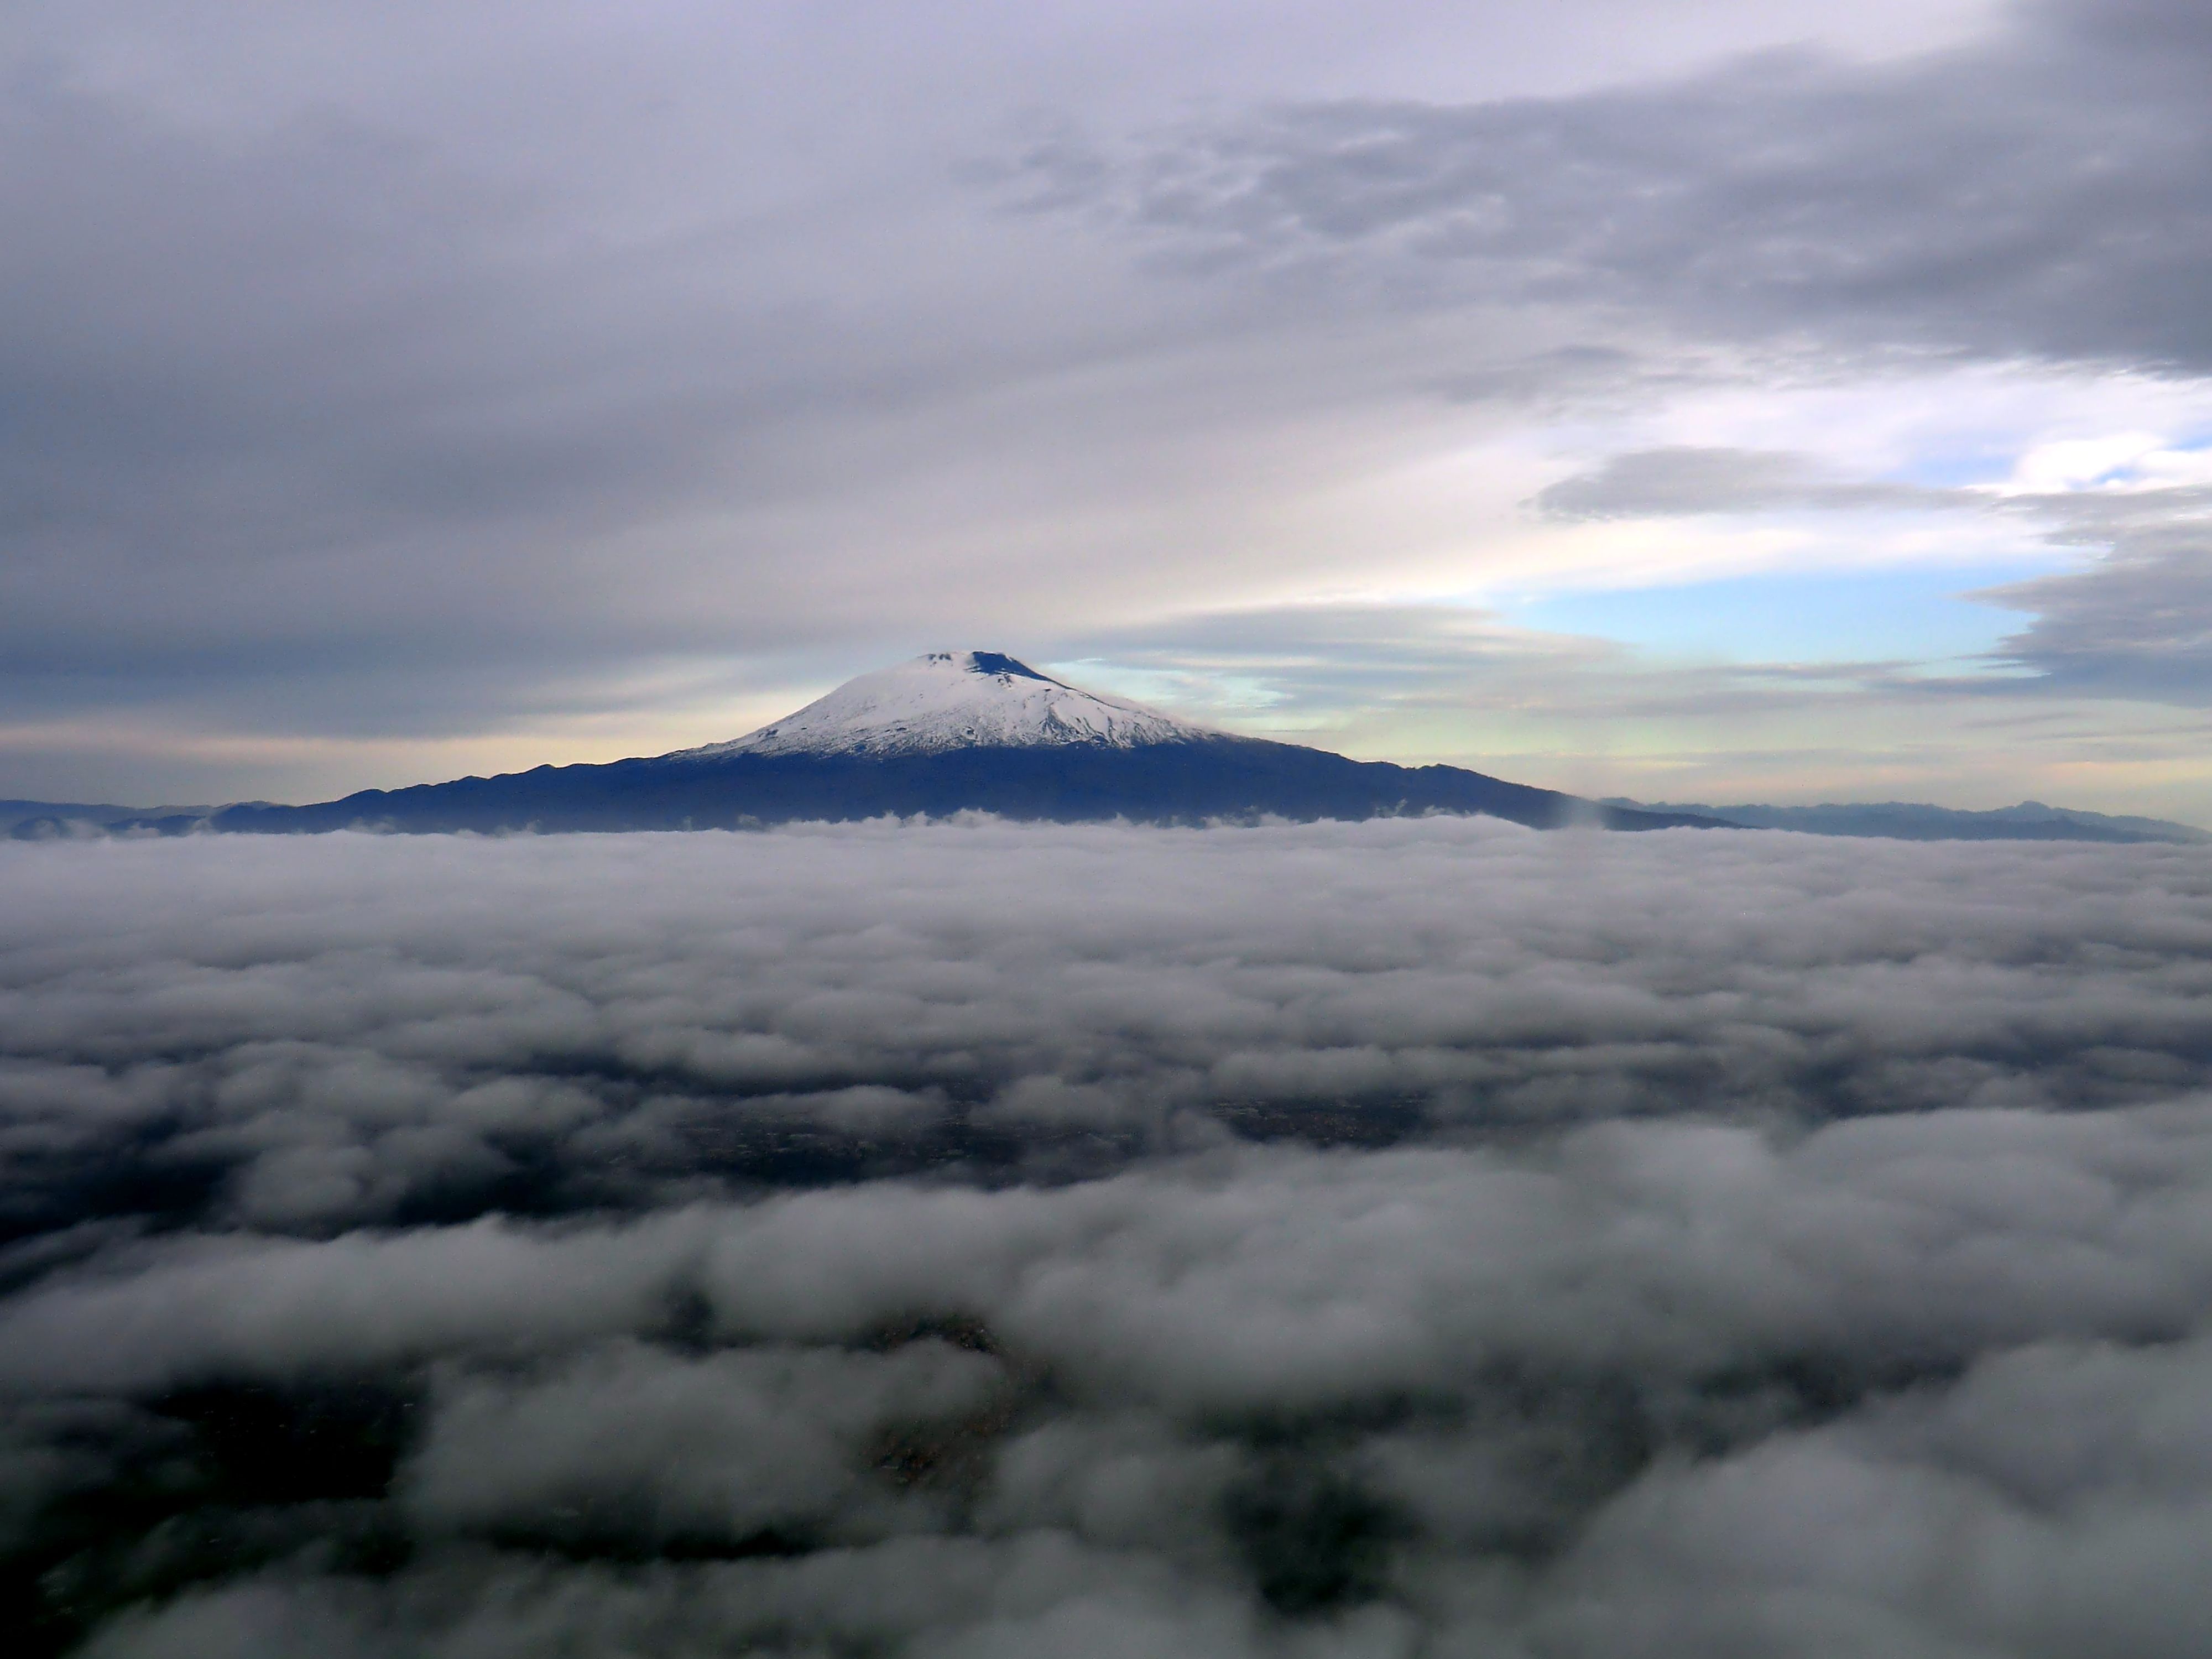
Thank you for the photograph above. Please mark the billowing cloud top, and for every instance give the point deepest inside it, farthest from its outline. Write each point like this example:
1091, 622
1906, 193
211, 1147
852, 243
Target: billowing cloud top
996, 1239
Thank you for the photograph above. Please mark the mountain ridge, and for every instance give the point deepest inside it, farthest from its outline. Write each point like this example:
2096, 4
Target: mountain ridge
2029, 820
979, 731
945, 732
1192, 781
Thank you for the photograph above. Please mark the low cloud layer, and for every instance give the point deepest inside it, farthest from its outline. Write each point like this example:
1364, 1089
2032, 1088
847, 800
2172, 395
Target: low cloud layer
999, 1239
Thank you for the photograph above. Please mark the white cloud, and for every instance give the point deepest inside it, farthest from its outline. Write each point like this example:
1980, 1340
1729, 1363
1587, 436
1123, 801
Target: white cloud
987, 1236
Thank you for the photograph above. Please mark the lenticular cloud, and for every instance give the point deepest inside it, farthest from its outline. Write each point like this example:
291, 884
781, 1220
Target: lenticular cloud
1400, 1238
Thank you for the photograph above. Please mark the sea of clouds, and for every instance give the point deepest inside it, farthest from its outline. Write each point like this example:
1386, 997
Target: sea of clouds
1416, 1237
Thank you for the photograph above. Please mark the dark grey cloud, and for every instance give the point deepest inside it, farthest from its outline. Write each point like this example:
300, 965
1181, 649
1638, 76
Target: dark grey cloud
428, 376
2137, 622
369, 434
2039, 191
2036, 194
355, 401
989, 1238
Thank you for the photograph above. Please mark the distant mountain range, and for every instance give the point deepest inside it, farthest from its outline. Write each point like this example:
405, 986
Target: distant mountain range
51, 820
977, 731
1909, 821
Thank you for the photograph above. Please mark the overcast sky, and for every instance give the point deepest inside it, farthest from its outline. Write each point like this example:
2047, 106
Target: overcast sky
1703, 400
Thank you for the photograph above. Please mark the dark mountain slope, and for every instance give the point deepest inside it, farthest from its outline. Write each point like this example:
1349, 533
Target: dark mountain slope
1186, 781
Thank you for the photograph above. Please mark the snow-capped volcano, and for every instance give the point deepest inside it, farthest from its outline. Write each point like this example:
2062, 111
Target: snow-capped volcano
951, 732
957, 700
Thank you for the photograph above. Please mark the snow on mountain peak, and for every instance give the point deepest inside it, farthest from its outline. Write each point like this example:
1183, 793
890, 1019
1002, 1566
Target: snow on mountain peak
957, 700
